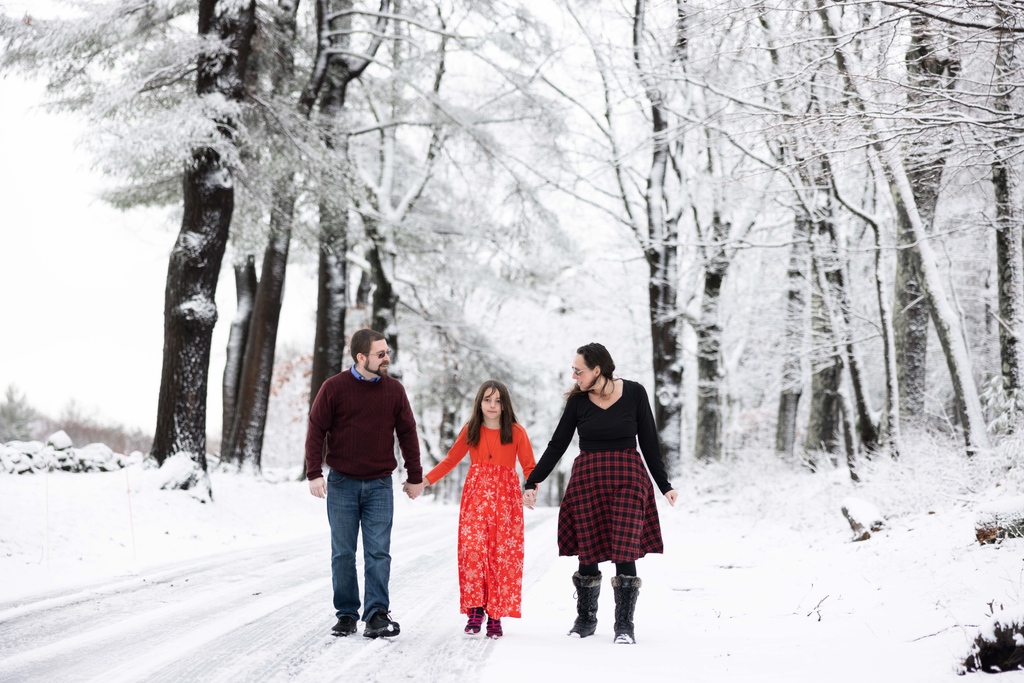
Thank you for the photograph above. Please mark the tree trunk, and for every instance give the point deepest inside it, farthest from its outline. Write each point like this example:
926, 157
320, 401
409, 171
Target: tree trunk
1009, 256
661, 250
246, 436
245, 288
947, 323
832, 266
823, 421
258, 367
332, 296
385, 299
911, 334
849, 443
448, 429
708, 432
827, 367
663, 267
332, 288
340, 68
796, 311
190, 311
364, 289
892, 416
924, 163
867, 430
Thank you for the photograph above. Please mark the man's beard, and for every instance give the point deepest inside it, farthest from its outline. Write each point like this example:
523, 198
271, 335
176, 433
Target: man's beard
382, 369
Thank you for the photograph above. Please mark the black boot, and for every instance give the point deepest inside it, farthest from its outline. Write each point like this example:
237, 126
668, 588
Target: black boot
626, 589
588, 588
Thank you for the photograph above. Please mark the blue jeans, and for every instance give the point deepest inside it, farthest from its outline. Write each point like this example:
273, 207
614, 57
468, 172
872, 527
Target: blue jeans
353, 504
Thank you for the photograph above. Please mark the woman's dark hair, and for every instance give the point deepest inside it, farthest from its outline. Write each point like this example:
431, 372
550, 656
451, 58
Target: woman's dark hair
594, 355
506, 420
362, 340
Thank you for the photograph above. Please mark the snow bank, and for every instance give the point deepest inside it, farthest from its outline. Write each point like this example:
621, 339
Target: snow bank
64, 529
180, 471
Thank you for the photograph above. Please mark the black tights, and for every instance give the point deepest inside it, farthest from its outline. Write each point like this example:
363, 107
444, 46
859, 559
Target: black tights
621, 569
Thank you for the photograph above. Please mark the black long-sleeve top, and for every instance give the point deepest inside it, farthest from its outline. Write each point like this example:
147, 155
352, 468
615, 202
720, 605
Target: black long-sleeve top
614, 428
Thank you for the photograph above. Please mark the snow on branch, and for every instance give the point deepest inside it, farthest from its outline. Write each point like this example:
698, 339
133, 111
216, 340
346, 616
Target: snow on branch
393, 17
1004, 7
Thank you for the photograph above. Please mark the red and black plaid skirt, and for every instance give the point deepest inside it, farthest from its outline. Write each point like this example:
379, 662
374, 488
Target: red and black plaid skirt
608, 511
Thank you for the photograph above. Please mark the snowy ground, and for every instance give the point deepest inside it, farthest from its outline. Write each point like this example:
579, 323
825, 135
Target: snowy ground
760, 582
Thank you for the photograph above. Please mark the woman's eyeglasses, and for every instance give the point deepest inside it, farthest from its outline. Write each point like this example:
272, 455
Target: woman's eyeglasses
576, 373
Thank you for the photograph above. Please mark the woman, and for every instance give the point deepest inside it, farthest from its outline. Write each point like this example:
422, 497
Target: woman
608, 512
491, 515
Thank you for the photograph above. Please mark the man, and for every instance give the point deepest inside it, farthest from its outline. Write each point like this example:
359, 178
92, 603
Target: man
352, 425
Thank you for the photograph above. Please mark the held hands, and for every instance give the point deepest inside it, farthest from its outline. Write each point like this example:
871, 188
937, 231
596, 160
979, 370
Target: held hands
414, 490
671, 497
318, 488
530, 498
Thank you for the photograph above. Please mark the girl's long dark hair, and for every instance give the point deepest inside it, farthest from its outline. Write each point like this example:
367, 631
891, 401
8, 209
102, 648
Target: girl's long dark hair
506, 420
594, 354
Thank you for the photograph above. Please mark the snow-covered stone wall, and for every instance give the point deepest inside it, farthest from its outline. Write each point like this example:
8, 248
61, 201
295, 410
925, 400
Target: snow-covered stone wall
27, 457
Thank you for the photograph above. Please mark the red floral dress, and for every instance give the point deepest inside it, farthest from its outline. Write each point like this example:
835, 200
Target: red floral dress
490, 520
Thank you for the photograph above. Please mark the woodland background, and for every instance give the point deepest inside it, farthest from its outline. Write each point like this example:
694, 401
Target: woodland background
799, 223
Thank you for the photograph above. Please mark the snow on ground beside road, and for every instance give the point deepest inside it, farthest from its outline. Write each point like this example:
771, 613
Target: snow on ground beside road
760, 580
60, 529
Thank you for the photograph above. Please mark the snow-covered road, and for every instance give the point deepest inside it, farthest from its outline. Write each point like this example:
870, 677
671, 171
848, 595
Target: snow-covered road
759, 583
253, 615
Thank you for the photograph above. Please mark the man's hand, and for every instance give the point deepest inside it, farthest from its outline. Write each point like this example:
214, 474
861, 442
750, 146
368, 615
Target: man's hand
318, 487
530, 498
413, 490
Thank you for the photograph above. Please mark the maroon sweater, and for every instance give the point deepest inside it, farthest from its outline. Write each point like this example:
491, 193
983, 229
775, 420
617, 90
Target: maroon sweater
358, 420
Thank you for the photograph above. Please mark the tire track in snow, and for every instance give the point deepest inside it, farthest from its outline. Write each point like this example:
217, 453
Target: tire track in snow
88, 632
256, 615
281, 644
90, 646
167, 573
431, 647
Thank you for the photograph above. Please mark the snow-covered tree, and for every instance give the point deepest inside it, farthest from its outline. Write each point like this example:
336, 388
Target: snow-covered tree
182, 91
16, 416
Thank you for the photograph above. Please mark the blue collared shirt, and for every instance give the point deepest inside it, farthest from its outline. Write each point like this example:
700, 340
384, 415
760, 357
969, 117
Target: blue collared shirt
355, 373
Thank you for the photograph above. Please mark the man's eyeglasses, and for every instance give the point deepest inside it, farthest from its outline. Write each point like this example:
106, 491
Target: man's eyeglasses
380, 354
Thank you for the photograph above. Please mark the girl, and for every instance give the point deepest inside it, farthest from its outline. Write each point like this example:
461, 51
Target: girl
491, 514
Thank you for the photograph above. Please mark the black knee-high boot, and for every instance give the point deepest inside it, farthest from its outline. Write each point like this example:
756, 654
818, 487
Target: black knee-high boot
588, 588
626, 589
